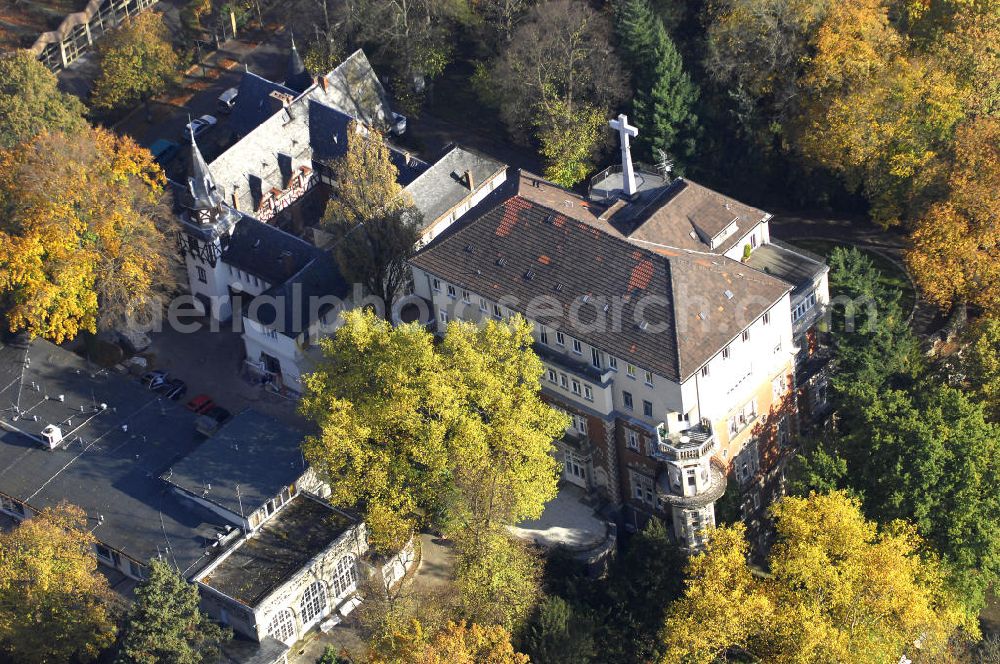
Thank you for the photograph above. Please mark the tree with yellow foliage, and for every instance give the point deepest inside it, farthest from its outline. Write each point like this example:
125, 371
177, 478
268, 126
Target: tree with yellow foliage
458, 643
837, 589
409, 431
78, 244
956, 245
875, 114
137, 63
374, 224
53, 601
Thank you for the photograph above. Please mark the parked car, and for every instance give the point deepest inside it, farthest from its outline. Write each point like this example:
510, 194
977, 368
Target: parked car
154, 379
227, 101
164, 151
173, 389
219, 414
200, 404
199, 126
209, 422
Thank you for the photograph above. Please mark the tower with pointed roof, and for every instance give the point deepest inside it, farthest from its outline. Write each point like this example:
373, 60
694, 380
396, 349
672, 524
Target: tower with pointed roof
298, 77
207, 224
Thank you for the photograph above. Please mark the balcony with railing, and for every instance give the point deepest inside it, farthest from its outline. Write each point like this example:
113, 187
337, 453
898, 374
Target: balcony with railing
690, 445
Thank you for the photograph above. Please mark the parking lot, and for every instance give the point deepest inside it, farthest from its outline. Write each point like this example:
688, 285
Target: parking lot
210, 363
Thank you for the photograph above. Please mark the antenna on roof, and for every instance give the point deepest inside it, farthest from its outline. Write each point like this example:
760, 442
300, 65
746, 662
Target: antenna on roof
665, 164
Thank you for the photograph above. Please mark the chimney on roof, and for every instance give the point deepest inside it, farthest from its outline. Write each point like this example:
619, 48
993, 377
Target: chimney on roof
470, 181
323, 83
236, 201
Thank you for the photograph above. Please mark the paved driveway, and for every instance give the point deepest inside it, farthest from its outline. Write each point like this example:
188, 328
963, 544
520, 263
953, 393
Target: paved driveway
210, 363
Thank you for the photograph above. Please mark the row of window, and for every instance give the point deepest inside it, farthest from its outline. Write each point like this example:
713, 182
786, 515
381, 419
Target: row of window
571, 384
742, 418
804, 307
314, 600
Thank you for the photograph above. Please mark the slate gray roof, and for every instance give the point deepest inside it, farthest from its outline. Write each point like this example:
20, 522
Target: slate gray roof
295, 270
443, 185
201, 192
254, 104
107, 471
306, 133
522, 249
253, 451
353, 88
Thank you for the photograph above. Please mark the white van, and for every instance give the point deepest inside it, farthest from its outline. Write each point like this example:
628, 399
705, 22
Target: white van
227, 100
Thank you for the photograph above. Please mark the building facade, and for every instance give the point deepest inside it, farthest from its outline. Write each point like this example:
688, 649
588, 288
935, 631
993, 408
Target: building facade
675, 364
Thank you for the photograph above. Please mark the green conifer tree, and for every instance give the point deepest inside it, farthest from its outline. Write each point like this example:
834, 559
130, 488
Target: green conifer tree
165, 624
664, 93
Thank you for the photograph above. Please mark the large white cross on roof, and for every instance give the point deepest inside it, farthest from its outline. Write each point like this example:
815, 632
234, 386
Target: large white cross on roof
625, 131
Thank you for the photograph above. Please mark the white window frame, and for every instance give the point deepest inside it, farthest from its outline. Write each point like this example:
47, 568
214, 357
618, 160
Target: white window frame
649, 377
313, 603
436, 285
630, 370
202, 274
577, 347
632, 440
588, 393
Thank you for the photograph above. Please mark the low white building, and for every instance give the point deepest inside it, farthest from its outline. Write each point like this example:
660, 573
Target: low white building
300, 568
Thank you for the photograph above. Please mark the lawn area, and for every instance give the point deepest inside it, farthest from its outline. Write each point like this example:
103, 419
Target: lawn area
893, 275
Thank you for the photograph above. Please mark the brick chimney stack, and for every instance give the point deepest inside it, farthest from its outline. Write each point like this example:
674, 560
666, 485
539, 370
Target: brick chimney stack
470, 181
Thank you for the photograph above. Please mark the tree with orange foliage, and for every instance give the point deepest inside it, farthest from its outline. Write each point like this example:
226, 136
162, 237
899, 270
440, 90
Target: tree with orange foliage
53, 601
956, 245
78, 244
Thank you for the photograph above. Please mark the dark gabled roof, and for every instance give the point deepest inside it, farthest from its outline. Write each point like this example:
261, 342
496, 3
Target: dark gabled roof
296, 271
254, 104
111, 473
690, 316
443, 185
247, 462
266, 251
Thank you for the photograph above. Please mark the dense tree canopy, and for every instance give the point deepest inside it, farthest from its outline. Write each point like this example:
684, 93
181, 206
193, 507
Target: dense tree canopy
31, 103
956, 244
458, 643
837, 589
54, 604
407, 429
165, 624
554, 78
137, 63
79, 246
664, 93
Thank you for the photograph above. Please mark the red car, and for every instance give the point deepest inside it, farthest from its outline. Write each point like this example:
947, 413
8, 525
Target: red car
201, 404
